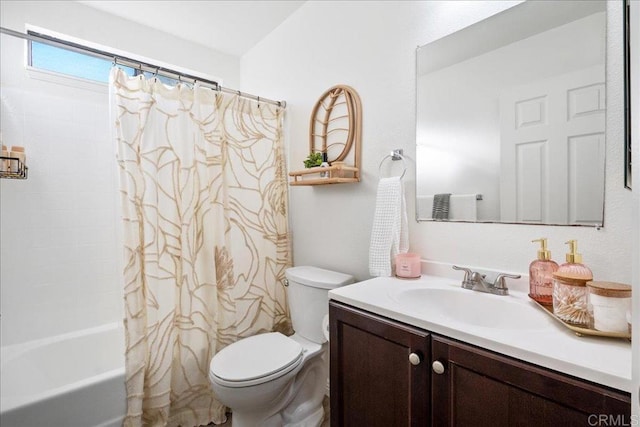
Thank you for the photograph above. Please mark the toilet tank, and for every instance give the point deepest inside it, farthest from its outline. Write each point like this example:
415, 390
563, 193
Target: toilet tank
308, 294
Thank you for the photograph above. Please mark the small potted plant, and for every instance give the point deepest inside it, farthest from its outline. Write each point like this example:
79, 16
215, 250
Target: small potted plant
313, 160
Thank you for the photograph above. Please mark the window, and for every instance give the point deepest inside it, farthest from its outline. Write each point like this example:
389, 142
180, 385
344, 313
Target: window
82, 65
63, 61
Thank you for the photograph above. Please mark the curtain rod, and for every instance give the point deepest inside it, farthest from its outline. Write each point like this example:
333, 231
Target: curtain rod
133, 63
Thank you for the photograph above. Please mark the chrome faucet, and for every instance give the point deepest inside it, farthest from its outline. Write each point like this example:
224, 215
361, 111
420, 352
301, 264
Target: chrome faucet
475, 281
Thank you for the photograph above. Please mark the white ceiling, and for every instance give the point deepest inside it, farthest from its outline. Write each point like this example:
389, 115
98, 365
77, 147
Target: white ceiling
231, 27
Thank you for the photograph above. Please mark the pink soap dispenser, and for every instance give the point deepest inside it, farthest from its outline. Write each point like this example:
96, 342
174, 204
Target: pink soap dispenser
541, 275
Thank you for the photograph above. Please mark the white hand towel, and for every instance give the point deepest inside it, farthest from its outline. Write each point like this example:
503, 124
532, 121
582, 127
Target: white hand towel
389, 234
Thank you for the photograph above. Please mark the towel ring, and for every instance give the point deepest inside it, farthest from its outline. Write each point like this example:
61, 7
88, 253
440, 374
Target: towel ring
395, 155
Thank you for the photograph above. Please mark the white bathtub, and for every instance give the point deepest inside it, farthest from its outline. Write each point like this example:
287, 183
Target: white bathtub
70, 380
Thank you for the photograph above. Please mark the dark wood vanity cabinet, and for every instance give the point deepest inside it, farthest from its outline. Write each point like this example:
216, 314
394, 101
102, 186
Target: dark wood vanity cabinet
373, 382
482, 388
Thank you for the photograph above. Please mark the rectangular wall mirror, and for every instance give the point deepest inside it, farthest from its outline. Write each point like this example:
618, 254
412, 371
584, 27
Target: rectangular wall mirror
627, 96
510, 118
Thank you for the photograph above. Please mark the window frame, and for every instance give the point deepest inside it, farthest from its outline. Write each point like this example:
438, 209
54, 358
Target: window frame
150, 68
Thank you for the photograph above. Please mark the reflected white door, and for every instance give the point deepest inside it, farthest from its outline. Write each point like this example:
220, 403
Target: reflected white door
552, 150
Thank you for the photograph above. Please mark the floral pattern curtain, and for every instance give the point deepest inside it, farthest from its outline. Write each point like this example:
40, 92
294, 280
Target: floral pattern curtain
204, 208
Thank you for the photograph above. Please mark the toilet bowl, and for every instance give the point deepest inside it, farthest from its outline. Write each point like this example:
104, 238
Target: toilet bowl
274, 380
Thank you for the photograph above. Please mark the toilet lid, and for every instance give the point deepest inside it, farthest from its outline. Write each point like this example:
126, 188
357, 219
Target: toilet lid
256, 357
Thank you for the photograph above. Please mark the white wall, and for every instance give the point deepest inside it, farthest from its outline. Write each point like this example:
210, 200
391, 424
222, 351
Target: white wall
60, 245
370, 45
635, 133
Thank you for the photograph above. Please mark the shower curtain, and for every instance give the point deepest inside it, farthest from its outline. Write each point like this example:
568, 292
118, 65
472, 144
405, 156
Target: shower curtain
204, 204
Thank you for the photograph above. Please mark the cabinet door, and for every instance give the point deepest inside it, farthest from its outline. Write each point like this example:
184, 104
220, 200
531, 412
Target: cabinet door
480, 388
373, 382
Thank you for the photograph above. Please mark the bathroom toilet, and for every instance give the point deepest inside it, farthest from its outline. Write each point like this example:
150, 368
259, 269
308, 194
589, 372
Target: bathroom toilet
274, 380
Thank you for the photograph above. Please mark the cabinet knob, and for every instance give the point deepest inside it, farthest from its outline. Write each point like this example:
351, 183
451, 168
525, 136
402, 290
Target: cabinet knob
438, 367
414, 359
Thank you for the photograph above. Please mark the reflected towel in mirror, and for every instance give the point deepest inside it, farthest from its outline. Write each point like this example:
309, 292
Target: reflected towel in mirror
440, 209
462, 207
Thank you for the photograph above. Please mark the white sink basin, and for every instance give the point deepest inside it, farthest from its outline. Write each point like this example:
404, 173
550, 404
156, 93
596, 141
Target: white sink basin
473, 308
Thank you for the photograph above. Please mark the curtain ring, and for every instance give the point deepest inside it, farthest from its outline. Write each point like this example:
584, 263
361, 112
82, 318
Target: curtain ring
258, 102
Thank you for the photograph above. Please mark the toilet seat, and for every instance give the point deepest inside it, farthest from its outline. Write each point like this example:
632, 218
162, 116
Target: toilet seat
255, 360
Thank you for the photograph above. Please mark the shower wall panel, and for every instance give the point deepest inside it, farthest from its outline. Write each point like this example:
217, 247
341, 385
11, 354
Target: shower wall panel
59, 229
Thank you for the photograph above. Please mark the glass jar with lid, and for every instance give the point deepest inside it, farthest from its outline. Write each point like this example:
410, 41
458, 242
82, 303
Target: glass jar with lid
571, 298
610, 302
570, 293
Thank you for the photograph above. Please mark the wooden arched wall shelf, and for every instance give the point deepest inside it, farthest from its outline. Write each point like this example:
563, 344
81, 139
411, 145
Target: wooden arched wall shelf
335, 128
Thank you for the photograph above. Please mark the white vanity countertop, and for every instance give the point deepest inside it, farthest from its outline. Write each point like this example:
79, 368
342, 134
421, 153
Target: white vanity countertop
604, 361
